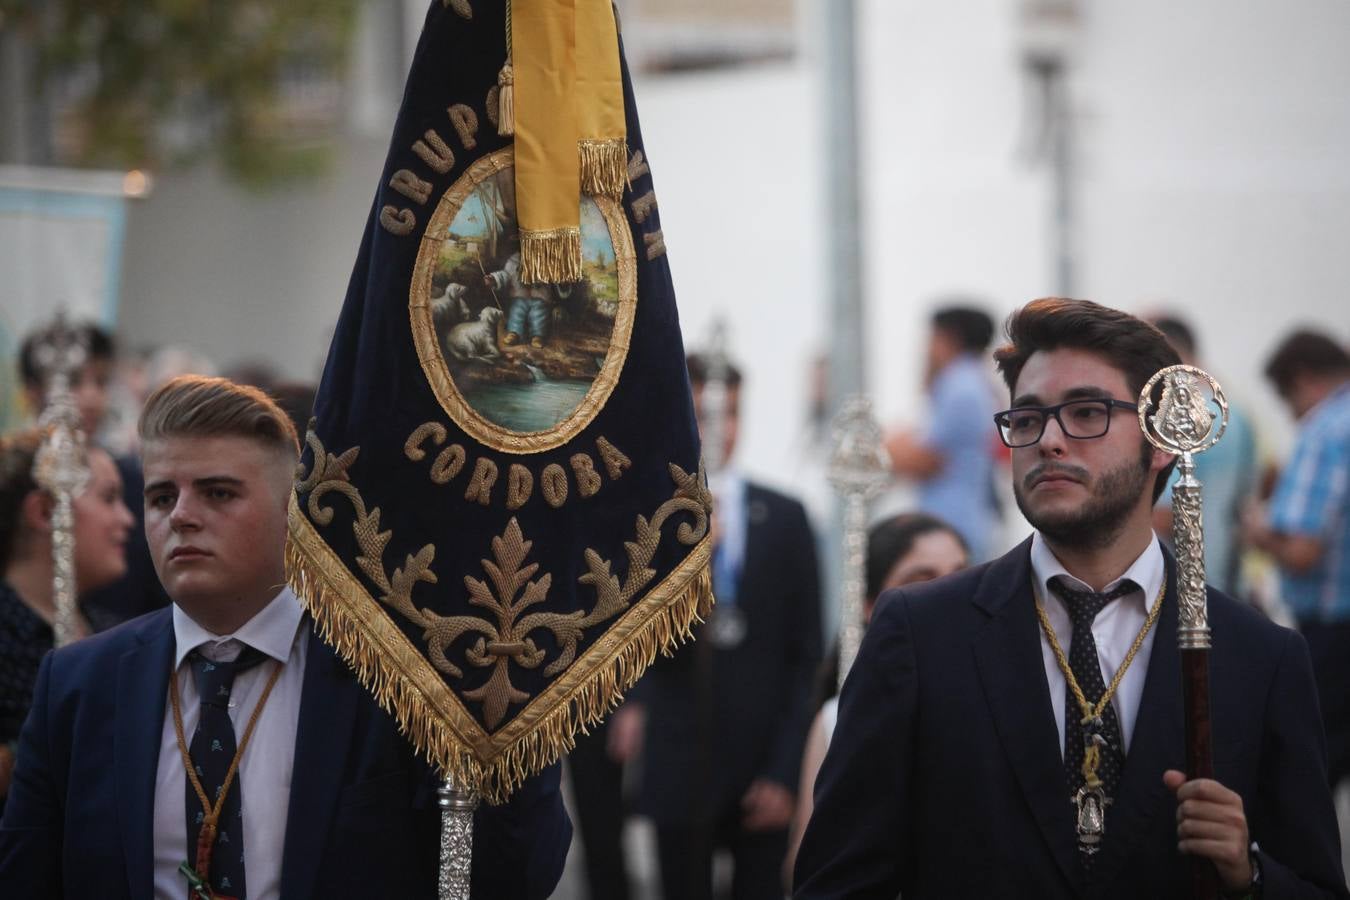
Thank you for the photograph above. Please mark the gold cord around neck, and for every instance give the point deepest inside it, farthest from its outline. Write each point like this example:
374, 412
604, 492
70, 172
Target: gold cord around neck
211, 811
1092, 754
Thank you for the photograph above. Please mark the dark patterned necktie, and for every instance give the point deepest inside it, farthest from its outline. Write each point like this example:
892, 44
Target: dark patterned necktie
212, 750
1083, 607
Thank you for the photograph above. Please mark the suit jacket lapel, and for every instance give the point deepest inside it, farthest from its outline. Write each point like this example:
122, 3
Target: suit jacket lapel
142, 684
1008, 656
1157, 743
328, 704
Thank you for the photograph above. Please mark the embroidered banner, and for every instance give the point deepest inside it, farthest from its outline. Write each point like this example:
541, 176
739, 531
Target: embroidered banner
501, 517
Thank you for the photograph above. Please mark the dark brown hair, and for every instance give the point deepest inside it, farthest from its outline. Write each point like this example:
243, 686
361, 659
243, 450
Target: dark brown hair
890, 541
98, 345
970, 326
1131, 345
697, 364
17, 452
1305, 352
198, 406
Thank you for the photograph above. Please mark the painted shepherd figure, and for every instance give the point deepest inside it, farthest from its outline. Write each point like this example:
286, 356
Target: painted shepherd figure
530, 310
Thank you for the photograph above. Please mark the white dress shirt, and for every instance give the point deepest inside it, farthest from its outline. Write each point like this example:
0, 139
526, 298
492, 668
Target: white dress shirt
264, 771
1114, 630
728, 490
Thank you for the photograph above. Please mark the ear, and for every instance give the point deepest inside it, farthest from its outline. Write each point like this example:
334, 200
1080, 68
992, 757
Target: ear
1161, 460
35, 512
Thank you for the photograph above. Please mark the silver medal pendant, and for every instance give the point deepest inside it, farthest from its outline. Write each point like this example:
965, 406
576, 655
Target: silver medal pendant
726, 627
1091, 819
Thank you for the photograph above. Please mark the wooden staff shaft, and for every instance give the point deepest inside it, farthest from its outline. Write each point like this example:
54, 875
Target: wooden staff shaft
1193, 638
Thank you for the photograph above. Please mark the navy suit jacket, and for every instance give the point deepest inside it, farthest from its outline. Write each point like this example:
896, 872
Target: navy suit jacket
719, 719
362, 820
944, 777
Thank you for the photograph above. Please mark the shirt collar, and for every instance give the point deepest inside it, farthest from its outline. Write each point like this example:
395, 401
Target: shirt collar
271, 630
1328, 402
728, 489
1148, 570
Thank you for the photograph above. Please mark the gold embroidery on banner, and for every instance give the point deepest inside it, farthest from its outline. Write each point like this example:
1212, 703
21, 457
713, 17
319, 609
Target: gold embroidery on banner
465, 121
461, 7
691, 496
553, 485
656, 244
410, 186
637, 166
413, 447
615, 461
643, 206
427, 343
588, 480
491, 102
447, 464
396, 221
480, 485
404, 682
433, 151
519, 486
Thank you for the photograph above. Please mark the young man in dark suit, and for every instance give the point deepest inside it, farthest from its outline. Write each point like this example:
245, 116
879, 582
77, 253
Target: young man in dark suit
958, 765
726, 719
126, 755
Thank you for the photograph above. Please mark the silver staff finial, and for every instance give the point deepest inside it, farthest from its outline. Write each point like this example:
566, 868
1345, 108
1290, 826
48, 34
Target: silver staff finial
858, 469
1191, 416
714, 400
61, 467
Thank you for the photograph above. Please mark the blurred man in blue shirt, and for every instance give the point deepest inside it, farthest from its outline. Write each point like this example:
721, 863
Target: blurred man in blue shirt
953, 458
1307, 525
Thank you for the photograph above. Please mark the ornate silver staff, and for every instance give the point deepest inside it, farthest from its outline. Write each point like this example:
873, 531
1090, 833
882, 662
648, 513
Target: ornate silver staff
60, 467
714, 399
457, 807
1186, 423
858, 469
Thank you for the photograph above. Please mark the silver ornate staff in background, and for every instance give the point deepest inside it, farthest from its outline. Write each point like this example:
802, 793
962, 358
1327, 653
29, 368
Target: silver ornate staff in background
714, 399
858, 469
61, 467
1191, 416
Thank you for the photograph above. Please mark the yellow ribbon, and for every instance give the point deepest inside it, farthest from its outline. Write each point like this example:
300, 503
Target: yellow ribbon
602, 146
569, 126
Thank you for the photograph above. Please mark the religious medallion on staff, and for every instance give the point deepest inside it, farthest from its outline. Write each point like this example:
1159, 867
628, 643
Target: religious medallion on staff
501, 516
1190, 417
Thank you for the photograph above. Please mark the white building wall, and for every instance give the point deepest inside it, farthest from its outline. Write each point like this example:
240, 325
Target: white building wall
1213, 140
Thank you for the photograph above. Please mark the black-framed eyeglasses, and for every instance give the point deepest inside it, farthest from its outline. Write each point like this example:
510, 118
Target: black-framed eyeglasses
1078, 419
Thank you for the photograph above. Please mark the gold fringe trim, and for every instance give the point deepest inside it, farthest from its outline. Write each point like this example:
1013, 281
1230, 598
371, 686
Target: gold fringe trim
335, 599
506, 101
604, 167
550, 257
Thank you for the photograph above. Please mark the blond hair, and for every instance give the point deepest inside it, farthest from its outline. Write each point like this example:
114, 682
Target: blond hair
199, 406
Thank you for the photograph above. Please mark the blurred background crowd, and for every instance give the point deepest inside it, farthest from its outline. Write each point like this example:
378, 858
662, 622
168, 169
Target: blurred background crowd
853, 196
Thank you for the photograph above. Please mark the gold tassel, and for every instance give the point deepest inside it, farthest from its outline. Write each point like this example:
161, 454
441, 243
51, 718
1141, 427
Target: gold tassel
551, 257
506, 101
543, 745
604, 167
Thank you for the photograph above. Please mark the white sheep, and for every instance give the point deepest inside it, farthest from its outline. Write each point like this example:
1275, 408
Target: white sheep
476, 341
448, 308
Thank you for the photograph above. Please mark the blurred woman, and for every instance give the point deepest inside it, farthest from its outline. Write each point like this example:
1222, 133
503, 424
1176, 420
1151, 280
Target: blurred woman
102, 524
906, 549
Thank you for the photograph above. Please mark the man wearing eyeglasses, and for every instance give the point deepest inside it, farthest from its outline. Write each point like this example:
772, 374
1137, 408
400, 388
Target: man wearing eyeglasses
1016, 729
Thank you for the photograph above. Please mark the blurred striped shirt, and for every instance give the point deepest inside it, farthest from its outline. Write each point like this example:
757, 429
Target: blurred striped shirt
1312, 499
